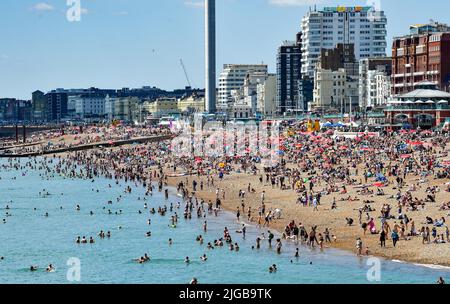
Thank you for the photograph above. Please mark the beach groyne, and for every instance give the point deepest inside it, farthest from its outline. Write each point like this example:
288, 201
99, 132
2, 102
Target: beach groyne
109, 144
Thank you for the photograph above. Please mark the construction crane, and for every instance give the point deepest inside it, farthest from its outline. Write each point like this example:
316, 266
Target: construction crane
185, 72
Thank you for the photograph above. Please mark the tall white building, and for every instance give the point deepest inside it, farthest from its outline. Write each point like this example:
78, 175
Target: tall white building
335, 90
365, 27
232, 78
266, 95
329, 88
90, 106
245, 100
374, 82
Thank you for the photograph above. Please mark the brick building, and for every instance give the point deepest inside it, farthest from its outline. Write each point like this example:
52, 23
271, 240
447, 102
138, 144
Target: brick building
424, 55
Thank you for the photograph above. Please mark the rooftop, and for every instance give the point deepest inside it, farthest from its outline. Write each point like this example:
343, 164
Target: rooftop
425, 94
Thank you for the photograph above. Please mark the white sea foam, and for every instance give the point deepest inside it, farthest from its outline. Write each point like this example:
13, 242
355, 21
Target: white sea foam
398, 261
436, 267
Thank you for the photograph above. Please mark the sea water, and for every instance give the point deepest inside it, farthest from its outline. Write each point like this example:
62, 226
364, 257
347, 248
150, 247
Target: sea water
30, 238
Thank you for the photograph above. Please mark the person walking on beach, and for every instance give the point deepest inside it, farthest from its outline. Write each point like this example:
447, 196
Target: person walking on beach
327, 235
312, 237
315, 204
359, 246
395, 237
383, 238
321, 241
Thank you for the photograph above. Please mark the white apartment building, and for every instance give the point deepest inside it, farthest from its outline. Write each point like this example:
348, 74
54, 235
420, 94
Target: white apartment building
244, 101
90, 106
374, 82
329, 88
110, 107
335, 90
383, 89
266, 96
232, 78
364, 27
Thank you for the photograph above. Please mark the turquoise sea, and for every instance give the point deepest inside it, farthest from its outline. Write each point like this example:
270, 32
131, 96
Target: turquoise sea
30, 238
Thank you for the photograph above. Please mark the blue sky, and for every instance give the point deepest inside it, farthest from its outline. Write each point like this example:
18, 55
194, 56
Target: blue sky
131, 43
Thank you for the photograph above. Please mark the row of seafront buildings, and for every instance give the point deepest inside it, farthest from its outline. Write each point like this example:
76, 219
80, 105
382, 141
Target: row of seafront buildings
99, 105
338, 64
320, 69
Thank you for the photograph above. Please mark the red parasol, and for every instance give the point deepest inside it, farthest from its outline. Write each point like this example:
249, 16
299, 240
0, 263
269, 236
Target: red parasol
379, 185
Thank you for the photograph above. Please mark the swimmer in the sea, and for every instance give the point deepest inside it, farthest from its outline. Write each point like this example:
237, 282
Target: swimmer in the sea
50, 268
